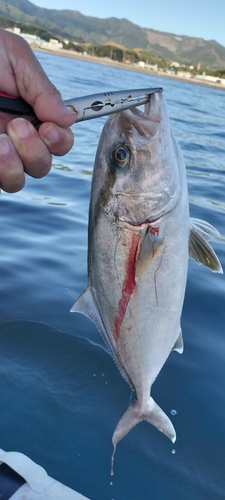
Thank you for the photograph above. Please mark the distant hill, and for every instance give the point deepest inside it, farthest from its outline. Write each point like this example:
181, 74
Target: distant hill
73, 25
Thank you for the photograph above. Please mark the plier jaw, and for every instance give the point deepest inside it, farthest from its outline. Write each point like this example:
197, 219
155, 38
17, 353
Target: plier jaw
106, 103
86, 107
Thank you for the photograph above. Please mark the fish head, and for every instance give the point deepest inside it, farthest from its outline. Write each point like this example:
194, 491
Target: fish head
138, 164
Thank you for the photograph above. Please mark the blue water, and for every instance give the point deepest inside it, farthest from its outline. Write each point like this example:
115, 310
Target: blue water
61, 394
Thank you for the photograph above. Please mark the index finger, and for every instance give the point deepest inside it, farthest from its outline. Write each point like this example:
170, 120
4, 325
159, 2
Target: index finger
32, 83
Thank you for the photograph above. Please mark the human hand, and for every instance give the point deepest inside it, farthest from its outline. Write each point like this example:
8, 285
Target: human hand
22, 147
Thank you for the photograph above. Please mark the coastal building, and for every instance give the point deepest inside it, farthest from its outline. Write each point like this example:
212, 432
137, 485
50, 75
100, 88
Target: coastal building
34, 40
31, 39
211, 79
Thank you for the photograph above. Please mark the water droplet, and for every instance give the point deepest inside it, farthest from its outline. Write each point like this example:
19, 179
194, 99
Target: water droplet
111, 483
173, 412
106, 382
103, 374
94, 374
173, 451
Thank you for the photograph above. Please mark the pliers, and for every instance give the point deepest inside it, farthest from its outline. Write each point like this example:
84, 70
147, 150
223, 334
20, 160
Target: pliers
86, 107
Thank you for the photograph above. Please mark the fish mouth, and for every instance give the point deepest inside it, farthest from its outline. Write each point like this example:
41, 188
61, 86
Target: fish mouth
144, 125
152, 111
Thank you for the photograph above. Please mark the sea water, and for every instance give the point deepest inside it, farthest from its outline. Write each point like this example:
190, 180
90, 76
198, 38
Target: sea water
61, 394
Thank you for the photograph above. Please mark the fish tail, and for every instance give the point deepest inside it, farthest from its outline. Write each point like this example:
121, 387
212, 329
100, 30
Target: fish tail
136, 413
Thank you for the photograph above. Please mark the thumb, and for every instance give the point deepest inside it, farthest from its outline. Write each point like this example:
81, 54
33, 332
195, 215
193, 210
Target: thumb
49, 107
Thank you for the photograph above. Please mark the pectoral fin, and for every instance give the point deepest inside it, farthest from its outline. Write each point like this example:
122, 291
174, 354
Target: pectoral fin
148, 251
199, 248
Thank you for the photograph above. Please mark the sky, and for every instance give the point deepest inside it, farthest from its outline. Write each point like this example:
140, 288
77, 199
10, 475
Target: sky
198, 18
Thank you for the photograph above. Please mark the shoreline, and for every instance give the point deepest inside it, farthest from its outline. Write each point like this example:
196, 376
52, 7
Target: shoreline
129, 67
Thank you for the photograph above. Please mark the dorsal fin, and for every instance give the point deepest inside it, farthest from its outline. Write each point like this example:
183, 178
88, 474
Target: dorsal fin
85, 304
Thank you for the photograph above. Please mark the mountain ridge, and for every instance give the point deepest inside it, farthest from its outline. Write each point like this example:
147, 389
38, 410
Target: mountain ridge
72, 24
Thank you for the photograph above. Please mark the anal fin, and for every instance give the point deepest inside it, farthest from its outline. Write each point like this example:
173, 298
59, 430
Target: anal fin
179, 344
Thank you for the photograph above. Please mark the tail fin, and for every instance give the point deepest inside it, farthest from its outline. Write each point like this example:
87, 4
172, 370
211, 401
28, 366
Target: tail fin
136, 413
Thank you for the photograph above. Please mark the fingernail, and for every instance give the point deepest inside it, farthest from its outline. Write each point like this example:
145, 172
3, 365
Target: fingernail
51, 134
70, 110
21, 127
5, 144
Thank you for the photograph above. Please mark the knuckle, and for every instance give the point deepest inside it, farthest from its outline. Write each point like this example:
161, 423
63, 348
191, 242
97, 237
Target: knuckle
34, 154
38, 167
11, 168
58, 140
12, 180
38, 171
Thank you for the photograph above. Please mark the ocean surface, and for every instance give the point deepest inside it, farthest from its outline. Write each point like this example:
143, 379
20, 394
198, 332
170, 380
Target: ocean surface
61, 394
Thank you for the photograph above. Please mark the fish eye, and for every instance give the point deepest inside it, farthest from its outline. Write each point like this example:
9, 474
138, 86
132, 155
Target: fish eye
120, 155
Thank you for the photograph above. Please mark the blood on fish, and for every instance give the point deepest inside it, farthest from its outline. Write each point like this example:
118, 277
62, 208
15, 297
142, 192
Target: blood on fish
129, 286
112, 461
154, 230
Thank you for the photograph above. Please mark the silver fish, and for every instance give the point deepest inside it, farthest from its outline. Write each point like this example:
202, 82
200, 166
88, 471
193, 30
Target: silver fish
140, 239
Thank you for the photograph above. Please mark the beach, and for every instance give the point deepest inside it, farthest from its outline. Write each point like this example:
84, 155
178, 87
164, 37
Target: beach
131, 67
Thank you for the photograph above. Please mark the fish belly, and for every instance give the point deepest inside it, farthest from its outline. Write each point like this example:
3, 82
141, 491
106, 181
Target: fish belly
141, 316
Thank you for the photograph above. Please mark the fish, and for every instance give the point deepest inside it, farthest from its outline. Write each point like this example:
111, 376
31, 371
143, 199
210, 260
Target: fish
140, 238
